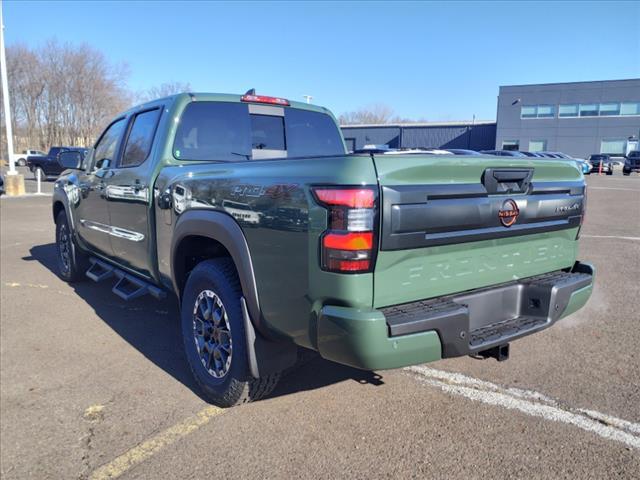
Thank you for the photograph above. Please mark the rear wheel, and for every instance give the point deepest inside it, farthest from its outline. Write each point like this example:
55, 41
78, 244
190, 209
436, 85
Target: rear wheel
72, 262
214, 336
43, 177
610, 172
21, 162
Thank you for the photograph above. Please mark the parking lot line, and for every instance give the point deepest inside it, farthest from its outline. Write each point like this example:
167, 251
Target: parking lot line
531, 403
150, 447
617, 237
614, 188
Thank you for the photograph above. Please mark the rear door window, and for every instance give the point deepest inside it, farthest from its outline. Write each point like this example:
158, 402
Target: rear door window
140, 138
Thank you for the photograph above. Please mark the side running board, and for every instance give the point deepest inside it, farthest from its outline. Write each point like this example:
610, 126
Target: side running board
127, 287
99, 271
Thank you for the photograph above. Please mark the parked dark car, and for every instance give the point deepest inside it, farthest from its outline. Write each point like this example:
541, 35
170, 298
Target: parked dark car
461, 151
556, 155
1, 184
531, 154
632, 163
49, 165
504, 153
599, 158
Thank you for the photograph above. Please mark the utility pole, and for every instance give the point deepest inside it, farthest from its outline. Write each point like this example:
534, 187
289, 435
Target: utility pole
5, 97
14, 183
308, 98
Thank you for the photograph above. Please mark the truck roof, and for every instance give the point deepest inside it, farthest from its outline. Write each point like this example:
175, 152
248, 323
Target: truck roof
222, 97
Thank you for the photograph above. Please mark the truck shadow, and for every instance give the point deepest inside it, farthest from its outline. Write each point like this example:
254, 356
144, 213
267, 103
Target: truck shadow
153, 328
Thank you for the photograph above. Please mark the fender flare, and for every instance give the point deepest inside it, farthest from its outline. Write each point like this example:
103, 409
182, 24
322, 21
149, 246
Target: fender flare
267, 355
224, 229
59, 196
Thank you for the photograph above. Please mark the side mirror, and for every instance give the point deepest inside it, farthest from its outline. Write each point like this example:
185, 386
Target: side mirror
70, 159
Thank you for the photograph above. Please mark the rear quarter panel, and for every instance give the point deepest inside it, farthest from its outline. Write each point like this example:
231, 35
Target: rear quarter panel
272, 202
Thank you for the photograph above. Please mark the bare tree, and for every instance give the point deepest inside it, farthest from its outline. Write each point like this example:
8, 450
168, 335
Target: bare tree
372, 114
163, 90
63, 94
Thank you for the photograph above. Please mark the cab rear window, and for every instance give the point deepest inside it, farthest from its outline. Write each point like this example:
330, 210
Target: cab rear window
224, 131
312, 134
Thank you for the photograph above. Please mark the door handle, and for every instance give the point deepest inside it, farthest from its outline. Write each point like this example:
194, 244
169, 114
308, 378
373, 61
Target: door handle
137, 185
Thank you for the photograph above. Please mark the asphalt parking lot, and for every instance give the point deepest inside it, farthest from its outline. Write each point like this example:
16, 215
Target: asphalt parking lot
95, 388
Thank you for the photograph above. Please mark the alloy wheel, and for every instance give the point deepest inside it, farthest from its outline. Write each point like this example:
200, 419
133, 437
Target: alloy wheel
212, 333
64, 249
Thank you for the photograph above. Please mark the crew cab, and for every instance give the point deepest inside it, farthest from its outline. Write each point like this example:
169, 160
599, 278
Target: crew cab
632, 163
49, 165
249, 210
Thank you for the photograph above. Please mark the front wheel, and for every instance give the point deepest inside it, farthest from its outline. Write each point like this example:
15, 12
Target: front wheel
609, 172
72, 262
214, 336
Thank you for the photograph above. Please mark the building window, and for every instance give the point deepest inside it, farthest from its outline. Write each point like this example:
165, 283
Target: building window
613, 146
537, 145
588, 109
568, 111
538, 111
510, 145
609, 109
546, 111
630, 108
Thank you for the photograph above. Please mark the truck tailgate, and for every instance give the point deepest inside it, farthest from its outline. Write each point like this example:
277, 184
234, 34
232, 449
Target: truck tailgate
450, 224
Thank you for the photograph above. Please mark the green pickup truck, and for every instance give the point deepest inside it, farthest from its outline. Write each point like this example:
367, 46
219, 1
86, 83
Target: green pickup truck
248, 209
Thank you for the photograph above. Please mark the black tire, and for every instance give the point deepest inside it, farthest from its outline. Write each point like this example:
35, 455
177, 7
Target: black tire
72, 261
609, 172
228, 381
626, 173
43, 177
21, 162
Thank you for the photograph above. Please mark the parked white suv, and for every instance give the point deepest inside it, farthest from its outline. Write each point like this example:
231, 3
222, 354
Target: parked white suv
20, 159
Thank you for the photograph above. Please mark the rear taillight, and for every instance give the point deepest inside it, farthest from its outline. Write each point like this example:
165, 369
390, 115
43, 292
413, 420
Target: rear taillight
349, 243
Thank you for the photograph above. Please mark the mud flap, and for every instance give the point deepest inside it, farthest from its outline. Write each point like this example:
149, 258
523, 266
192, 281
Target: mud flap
265, 356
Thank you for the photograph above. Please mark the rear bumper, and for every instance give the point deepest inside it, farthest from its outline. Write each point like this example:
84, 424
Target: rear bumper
451, 326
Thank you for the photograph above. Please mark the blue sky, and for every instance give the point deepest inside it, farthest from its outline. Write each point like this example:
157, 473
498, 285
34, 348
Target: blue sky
432, 60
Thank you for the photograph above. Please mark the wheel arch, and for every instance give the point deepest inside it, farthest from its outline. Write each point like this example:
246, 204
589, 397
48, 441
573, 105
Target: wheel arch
197, 227
59, 203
